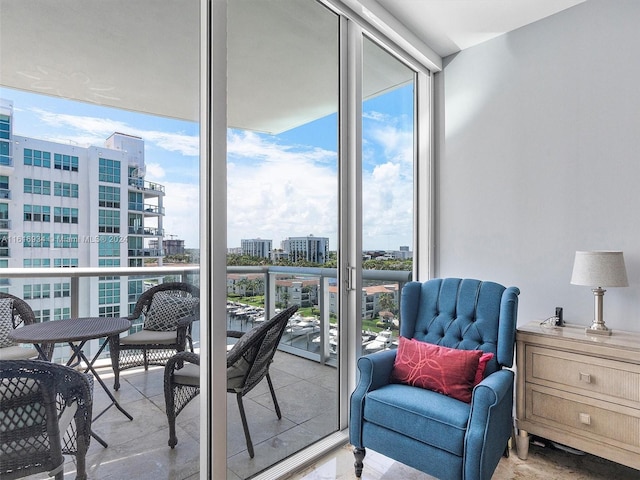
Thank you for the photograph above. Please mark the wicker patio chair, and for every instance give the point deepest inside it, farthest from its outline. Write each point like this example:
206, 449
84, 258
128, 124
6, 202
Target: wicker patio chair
169, 310
248, 363
21, 314
45, 412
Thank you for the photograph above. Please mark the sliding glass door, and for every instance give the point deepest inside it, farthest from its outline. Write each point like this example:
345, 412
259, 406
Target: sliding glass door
388, 159
282, 219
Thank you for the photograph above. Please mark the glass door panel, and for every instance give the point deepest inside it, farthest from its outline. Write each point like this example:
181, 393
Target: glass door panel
282, 159
388, 157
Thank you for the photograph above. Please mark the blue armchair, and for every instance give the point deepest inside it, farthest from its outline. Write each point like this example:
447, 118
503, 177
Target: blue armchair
435, 433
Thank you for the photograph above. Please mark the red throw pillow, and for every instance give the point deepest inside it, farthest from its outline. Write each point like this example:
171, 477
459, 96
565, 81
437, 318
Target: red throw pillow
482, 366
444, 370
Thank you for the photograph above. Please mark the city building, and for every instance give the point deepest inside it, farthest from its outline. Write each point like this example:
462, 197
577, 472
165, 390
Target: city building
312, 249
256, 247
170, 246
63, 205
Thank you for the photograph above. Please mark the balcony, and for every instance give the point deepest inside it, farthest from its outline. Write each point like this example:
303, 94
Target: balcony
153, 209
147, 231
306, 386
149, 187
145, 252
5, 194
5, 224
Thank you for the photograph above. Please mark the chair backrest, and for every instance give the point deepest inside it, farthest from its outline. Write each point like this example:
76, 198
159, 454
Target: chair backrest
144, 301
467, 314
34, 393
22, 313
256, 348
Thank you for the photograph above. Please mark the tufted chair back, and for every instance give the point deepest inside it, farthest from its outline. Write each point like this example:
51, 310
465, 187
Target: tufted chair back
463, 314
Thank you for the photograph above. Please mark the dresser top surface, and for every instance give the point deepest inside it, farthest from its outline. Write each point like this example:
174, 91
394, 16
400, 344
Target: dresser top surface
576, 333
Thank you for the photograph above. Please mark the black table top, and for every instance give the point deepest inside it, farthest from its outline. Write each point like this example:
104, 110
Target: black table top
70, 330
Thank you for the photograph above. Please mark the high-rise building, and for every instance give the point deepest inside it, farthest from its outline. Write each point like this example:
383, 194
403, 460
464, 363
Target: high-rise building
62, 205
312, 249
256, 247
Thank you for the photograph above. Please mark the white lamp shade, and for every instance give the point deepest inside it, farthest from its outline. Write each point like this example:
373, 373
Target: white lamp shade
599, 269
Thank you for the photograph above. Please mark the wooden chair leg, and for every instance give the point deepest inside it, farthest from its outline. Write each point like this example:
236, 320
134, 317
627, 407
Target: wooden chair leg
359, 453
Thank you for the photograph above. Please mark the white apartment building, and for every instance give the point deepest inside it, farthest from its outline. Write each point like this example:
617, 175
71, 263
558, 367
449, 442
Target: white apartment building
312, 249
63, 205
256, 247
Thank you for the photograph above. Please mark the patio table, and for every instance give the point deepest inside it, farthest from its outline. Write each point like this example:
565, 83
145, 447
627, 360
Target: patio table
76, 332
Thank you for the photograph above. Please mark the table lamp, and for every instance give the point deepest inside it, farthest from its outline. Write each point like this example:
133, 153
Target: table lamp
599, 269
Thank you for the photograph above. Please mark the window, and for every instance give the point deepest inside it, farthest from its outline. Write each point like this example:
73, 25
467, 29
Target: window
42, 315
108, 246
109, 311
65, 162
61, 313
36, 291
108, 292
61, 290
136, 287
37, 158
5, 158
136, 201
109, 170
4, 182
65, 240
65, 262
109, 262
36, 262
65, 215
108, 196
5, 126
109, 221
35, 240
36, 186
61, 189
37, 213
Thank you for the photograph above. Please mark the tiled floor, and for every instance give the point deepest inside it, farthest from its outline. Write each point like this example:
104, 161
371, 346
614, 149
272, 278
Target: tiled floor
542, 464
307, 396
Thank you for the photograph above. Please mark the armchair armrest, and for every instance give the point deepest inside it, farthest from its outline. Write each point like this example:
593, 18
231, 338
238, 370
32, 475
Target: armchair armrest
375, 370
490, 424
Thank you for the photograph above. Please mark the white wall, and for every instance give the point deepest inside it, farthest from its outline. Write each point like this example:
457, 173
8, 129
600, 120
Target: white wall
538, 155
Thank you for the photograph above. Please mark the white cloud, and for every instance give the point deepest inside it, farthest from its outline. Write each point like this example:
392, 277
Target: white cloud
154, 172
94, 130
277, 191
182, 217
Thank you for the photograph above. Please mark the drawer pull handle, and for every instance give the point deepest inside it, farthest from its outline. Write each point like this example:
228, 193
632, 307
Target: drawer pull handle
585, 377
585, 418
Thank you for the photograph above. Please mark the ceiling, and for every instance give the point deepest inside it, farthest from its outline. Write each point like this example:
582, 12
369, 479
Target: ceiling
143, 55
448, 26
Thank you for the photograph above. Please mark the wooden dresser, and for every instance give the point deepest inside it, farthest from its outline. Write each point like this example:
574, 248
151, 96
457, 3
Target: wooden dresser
579, 390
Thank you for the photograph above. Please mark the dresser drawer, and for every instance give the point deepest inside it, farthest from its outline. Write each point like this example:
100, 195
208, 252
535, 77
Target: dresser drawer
610, 380
585, 417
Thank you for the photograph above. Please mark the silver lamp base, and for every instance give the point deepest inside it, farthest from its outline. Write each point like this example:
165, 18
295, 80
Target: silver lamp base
598, 327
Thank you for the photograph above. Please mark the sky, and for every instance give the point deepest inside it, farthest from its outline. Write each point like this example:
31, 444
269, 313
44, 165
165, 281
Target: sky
279, 186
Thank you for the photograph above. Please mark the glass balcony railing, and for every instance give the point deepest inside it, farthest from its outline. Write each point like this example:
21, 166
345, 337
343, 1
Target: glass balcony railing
253, 294
141, 184
145, 252
151, 231
5, 194
153, 209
